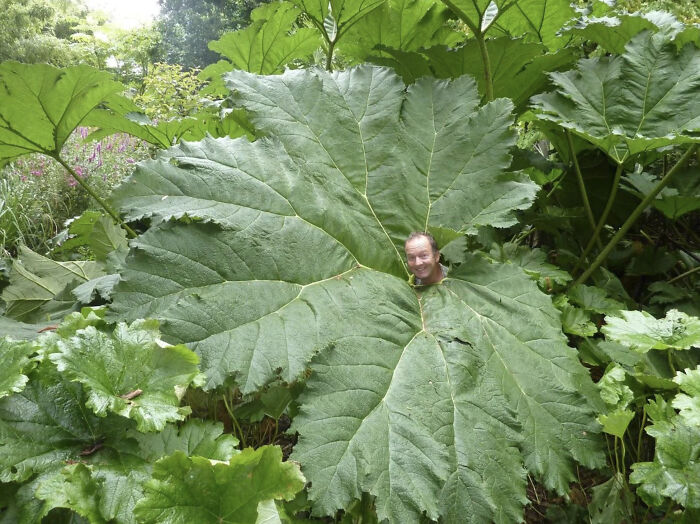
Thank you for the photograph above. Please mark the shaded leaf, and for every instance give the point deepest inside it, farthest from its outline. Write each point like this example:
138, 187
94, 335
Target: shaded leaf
37, 282
612, 501
594, 299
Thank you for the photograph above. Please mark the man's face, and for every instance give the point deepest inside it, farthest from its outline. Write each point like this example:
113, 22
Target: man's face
423, 262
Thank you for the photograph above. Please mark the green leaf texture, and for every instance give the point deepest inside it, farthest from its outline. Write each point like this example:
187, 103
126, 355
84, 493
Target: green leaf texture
148, 392
15, 363
41, 105
628, 104
196, 490
292, 255
640, 331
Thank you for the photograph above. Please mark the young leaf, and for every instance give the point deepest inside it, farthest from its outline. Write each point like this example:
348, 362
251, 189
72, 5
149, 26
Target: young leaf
688, 402
642, 332
675, 471
305, 257
149, 393
594, 299
627, 104
72, 489
196, 490
41, 105
15, 363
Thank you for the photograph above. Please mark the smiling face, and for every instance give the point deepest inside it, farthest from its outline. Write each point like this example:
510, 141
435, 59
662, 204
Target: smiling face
423, 262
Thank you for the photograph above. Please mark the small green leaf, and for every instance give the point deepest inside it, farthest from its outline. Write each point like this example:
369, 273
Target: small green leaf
641, 331
612, 387
533, 261
265, 47
594, 299
198, 490
675, 471
72, 489
15, 363
149, 392
616, 422
688, 402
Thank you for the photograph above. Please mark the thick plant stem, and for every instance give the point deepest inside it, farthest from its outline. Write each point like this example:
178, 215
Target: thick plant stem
488, 79
683, 275
599, 227
329, 58
582, 188
635, 214
98, 199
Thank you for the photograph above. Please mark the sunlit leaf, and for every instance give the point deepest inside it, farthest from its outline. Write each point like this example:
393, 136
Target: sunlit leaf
641, 331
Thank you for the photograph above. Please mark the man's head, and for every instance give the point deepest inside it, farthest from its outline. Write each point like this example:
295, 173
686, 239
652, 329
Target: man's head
423, 257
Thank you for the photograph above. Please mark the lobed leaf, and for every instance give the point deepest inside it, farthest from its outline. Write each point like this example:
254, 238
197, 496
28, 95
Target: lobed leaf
627, 104
688, 402
149, 393
41, 105
196, 490
271, 256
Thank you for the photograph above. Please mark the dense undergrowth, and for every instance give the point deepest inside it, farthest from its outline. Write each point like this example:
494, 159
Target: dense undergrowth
288, 370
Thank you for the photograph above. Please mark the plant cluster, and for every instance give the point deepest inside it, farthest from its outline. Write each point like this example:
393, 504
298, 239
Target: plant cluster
266, 238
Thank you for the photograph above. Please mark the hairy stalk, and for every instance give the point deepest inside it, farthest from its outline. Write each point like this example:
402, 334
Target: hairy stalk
104, 205
488, 79
599, 227
641, 433
236, 425
582, 188
635, 214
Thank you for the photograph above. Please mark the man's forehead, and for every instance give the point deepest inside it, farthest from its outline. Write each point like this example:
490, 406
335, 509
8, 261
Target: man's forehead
418, 244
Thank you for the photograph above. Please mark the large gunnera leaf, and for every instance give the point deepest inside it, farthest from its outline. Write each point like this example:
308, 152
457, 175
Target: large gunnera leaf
437, 400
630, 103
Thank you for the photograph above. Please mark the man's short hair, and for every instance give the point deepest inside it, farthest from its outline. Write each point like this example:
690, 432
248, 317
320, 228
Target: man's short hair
422, 234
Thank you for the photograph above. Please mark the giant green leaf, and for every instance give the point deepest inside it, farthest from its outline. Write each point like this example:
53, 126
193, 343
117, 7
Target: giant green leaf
610, 32
196, 490
640, 331
41, 105
335, 17
149, 393
37, 282
268, 256
628, 104
265, 46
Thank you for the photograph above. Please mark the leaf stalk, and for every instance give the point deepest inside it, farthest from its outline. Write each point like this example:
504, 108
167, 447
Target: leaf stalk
635, 214
94, 195
582, 187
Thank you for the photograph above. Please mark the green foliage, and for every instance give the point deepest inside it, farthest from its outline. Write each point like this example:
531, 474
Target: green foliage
169, 92
40, 287
625, 104
16, 362
193, 489
641, 331
266, 242
149, 393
